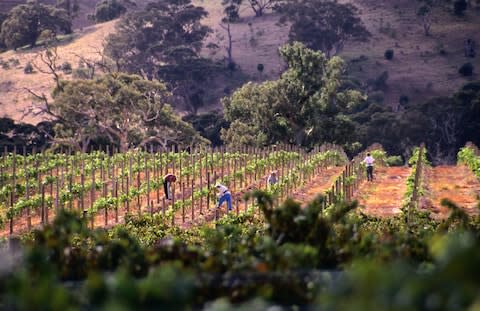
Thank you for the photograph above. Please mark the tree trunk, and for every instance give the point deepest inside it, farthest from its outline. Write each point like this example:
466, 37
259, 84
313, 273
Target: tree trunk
229, 48
124, 142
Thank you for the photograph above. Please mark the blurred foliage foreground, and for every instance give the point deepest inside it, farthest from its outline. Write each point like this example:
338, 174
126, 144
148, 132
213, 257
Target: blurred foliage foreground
286, 258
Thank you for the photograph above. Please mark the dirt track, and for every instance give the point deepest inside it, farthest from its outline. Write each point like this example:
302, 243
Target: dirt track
385, 195
456, 183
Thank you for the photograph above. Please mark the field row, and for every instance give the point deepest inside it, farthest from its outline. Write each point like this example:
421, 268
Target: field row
107, 187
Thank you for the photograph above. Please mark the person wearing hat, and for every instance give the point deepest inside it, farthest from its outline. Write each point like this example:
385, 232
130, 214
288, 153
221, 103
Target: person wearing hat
167, 185
224, 195
272, 179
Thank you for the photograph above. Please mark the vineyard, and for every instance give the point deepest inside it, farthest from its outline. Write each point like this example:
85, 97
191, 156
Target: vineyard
105, 187
106, 238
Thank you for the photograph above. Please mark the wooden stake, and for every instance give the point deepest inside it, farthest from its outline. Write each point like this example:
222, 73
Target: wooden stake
183, 202
173, 204
193, 205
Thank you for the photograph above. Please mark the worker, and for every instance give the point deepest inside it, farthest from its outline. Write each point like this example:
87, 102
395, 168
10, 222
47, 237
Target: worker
369, 160
224, 195
167, 185
272, 179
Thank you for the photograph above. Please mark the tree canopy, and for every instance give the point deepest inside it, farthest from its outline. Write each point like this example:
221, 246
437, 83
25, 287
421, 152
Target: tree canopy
323, 25
106, 10
26, 22
444, 124
165, 32
71, 6
163, 41
2, 18
232, 7
305, 106
127, 109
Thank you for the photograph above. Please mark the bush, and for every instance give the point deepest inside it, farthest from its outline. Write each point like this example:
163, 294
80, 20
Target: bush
381, 81
66, 68
459, 7
376, 97
83, 73
394, 161
28, 68
106, 10
260, 67
466, 70
404, 100
389, 54
232, 66
14, 61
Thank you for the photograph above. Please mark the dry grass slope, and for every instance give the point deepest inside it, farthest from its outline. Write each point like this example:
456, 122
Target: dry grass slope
417, 70
14, 99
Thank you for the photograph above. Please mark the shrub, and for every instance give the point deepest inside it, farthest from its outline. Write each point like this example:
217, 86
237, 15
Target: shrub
440, 48
404, 100
232, 66
14, 61
66, 68
107, 10
83, 73
466, 70
5, 66
394, 161
389, 54
28, 68
459, 7
376, 97
381, 81
260, 67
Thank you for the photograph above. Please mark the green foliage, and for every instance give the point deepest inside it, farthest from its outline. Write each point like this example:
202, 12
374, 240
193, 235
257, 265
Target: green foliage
209, 125
394, 161
419, 287
447, 122
26, 22
389, 54
126, 108
260, 67
3, 16
106, 10
168, 49
304, 106
379, 155
466, 70
468, 156
28, 69
459, 7
70, 6
413, 163
323, 25
276, 258
232, 7
66, 67
380, 82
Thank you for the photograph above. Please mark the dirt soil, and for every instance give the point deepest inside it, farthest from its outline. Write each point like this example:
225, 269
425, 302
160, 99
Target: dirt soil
384, 196
456, 183
319, 185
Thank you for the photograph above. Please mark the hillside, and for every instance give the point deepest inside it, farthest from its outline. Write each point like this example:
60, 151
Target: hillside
422, 67
81, 20
13, 81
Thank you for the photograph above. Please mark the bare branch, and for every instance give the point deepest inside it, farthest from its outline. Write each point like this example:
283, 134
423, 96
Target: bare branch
49, 58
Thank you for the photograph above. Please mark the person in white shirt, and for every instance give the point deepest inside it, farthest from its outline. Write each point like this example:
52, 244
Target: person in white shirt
224, 195
272, 179
369, 160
